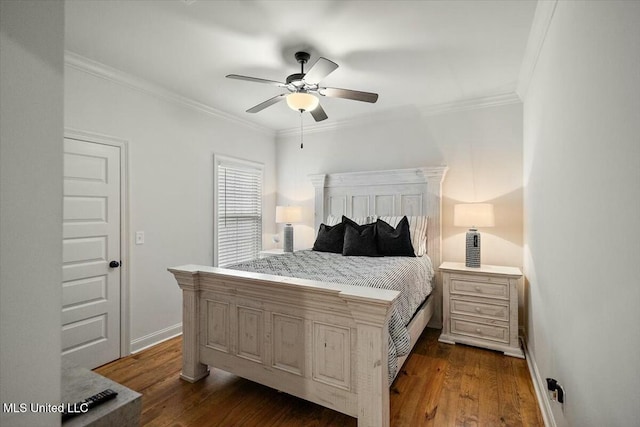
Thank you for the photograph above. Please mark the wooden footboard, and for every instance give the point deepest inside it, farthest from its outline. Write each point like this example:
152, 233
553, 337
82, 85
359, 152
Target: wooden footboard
322, 342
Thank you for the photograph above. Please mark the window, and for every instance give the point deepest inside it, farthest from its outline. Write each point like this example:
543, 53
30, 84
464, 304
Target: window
238, 209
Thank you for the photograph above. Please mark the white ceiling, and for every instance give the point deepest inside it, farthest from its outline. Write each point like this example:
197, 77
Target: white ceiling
412, 53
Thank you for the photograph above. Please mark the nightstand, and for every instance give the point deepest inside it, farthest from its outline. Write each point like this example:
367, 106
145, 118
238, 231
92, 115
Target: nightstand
480, 307
270, 252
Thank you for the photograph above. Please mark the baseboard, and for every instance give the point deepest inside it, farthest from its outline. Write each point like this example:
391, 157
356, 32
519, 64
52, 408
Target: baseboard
154, 338
539, 385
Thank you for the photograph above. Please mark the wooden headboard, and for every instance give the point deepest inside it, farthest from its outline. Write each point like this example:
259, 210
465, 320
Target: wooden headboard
415, 191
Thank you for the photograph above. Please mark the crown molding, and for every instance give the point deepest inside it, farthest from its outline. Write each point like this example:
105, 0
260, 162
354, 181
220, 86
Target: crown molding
89, 66
504, 98
496, 100
539, 28
388, 115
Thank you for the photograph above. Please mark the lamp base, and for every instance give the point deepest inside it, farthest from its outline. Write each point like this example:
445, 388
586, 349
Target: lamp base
472, 258
288, 238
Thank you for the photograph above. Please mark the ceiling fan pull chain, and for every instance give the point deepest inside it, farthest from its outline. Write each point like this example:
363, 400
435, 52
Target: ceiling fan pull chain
301, 136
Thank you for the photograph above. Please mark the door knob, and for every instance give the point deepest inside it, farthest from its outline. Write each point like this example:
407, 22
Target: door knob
114, 264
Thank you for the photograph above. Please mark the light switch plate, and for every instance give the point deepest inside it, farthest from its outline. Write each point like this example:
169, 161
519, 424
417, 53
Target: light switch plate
139, 237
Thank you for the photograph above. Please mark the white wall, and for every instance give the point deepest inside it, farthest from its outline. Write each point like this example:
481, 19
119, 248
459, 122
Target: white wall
582, 211
171, 149
482, 148
31, 87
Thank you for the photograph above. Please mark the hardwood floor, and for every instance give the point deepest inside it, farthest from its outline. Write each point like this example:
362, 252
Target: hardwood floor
439, 385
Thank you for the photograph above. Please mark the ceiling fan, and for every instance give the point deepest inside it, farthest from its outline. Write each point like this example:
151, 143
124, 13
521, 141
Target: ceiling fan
302, 87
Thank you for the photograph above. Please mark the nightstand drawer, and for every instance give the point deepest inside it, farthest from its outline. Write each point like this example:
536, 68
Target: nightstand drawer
479, 288
480, 309
480, 278
479, 330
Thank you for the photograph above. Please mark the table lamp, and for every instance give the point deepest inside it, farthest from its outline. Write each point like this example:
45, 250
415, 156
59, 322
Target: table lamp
287, 215
473, 215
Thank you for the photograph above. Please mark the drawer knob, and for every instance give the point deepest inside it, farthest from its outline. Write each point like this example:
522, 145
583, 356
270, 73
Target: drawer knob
478, 309
478, 330
478, 288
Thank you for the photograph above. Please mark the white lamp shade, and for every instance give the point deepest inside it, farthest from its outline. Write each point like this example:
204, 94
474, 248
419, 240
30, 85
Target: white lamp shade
302, 101
473, 215
288, 214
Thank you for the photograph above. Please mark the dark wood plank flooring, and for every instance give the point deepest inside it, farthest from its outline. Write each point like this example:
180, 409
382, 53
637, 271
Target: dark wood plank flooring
439, 385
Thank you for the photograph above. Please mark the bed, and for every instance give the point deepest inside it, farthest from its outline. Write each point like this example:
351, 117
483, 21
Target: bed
410, 276
322, 341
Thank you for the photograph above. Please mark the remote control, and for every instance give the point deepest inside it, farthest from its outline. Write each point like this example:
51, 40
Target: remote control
82, 407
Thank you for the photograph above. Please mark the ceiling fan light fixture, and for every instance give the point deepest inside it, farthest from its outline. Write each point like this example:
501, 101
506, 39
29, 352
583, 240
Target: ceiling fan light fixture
302, 101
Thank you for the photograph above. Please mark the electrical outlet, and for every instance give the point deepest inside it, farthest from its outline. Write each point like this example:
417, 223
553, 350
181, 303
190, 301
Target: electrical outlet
139, 237
556, 392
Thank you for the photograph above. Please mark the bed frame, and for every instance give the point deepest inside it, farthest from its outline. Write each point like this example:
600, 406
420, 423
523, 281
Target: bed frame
323, 342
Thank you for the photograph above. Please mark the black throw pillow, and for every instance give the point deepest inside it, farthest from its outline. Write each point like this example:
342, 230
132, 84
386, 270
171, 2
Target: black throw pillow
394, 241
349, 221
359, 240
330, 238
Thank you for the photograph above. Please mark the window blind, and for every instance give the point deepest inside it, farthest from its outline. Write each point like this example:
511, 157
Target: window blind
239, 210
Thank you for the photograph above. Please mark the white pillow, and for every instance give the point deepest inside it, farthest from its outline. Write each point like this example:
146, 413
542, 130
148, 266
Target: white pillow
417, 230
333, 220
361, 220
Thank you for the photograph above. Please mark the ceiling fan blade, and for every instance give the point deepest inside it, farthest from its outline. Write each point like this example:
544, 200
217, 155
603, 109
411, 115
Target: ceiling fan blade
319, 114
255, 79
355, 95
269, 102
321, 69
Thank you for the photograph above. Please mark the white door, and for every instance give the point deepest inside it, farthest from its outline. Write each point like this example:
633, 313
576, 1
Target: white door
91, 253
